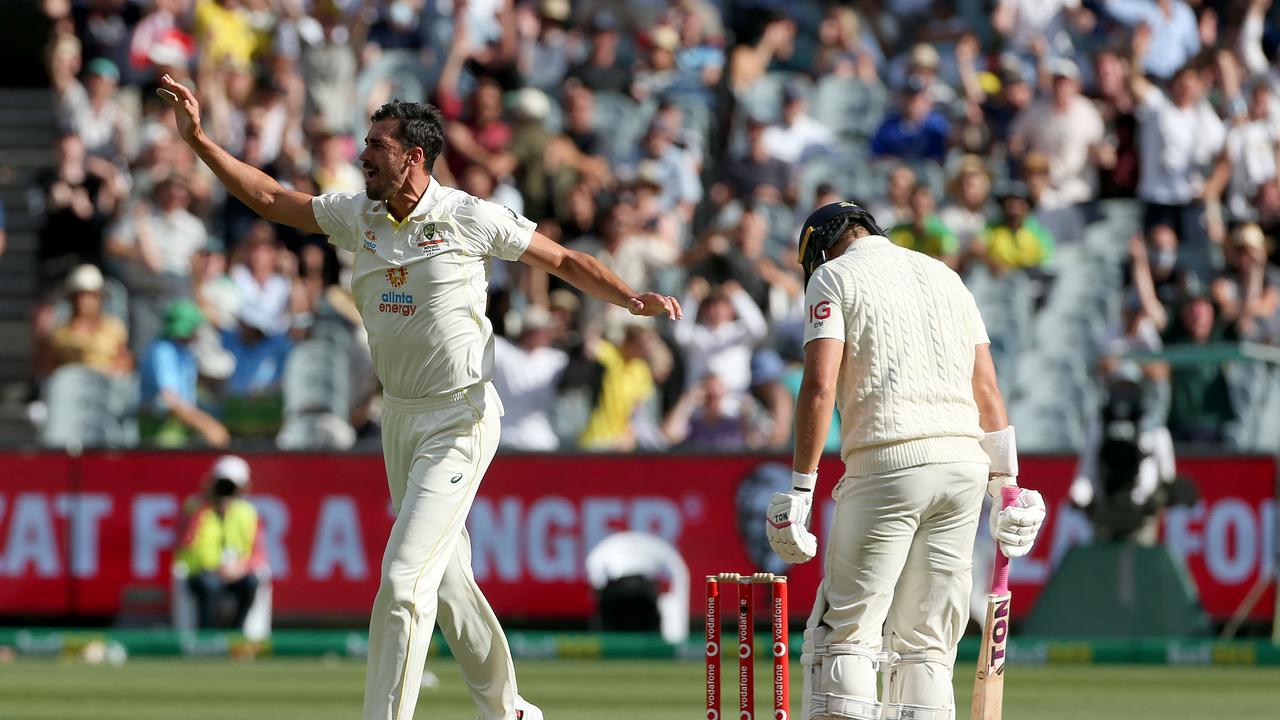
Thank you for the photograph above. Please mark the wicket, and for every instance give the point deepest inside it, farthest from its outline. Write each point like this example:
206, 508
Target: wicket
779, 647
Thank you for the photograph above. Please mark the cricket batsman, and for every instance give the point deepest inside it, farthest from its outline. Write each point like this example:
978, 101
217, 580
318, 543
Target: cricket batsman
420, 279
896, 338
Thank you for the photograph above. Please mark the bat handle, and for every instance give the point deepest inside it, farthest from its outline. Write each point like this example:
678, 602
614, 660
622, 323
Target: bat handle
1000, 579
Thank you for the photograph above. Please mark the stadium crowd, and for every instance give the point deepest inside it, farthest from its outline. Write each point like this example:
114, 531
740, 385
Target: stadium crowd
681, 142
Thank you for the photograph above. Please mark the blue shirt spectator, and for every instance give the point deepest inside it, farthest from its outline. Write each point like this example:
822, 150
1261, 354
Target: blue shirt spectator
259, 360
917, 132
1175, 34
168, 375
169, 366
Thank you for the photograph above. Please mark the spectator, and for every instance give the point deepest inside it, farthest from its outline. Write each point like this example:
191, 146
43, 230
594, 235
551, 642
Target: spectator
92, 110
603, 71
213, 289
924, 231
708, 417
1027, 23
847, 45
657, 72
627, 383
220, 549
1156, 275
90, 337
259, 357
633, 253
546, 45
1015, 240
266, 276
4, 235
1200, 405
527, 374
775, 51
1116, 105
922, 63
159, 239
170, 411
1174, 31
1248, 290
757, 174
328, 61
224, 30
76, 199
969, 200
1249, 156
895, 208
729, 326
678, 178
915, 132
331, 164
772, 427
700, 54
1179, 135
1067, 129
478, 135
797, 137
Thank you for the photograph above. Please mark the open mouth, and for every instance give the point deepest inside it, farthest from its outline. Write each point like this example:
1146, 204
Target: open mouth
370, 173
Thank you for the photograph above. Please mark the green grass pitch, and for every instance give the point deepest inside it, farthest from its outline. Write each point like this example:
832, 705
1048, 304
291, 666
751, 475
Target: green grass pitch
313, 689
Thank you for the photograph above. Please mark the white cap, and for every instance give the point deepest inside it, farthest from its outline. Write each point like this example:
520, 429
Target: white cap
231, 467
531, 103
85, 278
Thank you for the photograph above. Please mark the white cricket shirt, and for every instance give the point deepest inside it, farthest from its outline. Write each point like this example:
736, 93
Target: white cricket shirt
421, 284
909, 328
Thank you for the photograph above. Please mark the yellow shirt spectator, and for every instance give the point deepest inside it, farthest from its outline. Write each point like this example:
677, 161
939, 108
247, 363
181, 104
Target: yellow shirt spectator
225, 32
626, 384
99, 346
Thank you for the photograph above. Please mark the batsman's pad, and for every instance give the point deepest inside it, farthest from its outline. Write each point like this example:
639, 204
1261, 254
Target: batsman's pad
920, 683
900, 711
839, 679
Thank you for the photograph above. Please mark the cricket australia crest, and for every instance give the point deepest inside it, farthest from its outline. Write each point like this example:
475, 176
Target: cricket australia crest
428, 240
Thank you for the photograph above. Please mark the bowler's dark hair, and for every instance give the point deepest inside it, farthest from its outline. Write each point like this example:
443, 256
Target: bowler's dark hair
421, 125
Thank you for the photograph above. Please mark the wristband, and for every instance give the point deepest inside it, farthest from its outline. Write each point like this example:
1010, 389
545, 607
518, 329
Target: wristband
803, 482
1002, 447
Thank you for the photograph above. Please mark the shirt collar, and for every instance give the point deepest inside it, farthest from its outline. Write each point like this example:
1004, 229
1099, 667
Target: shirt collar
867, 241
421, 208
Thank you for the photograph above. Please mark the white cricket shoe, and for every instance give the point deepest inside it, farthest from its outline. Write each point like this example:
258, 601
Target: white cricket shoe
526, 710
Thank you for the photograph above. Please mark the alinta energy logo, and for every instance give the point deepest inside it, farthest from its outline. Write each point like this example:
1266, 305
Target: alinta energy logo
397, 303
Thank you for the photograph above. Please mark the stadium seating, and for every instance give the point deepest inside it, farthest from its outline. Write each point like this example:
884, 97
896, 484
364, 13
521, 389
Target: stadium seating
89, 409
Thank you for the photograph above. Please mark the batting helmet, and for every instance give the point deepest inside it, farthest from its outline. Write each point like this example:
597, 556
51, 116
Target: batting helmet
825, 227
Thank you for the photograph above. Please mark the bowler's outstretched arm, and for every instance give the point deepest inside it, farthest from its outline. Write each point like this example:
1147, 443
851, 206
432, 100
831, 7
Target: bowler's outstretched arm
262, 193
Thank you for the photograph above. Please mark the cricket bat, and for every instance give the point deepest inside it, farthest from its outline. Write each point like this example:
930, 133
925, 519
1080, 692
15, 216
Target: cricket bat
988, 686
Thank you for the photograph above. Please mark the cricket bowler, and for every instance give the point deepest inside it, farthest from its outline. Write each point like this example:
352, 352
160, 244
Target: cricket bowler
897, 339
420, 280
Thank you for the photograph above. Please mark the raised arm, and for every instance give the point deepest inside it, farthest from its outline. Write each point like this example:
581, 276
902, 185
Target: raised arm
591, 276
1139, 85
254, 188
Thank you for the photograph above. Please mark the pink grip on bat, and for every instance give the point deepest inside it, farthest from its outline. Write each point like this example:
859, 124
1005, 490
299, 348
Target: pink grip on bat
1000, 579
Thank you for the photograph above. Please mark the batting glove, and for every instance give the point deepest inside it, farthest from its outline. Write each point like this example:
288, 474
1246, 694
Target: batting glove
787, 526
1015, 527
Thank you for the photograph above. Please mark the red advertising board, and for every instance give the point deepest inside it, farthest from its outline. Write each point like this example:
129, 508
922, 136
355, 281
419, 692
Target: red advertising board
77, 534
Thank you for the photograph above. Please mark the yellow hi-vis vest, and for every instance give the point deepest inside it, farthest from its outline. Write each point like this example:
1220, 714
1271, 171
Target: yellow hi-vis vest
211, 537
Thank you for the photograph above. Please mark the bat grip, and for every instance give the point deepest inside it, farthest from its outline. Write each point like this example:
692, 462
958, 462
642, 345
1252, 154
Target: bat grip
1000, 579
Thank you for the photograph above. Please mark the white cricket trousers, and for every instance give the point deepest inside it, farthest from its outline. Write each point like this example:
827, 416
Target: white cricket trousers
898, 569
436, 452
